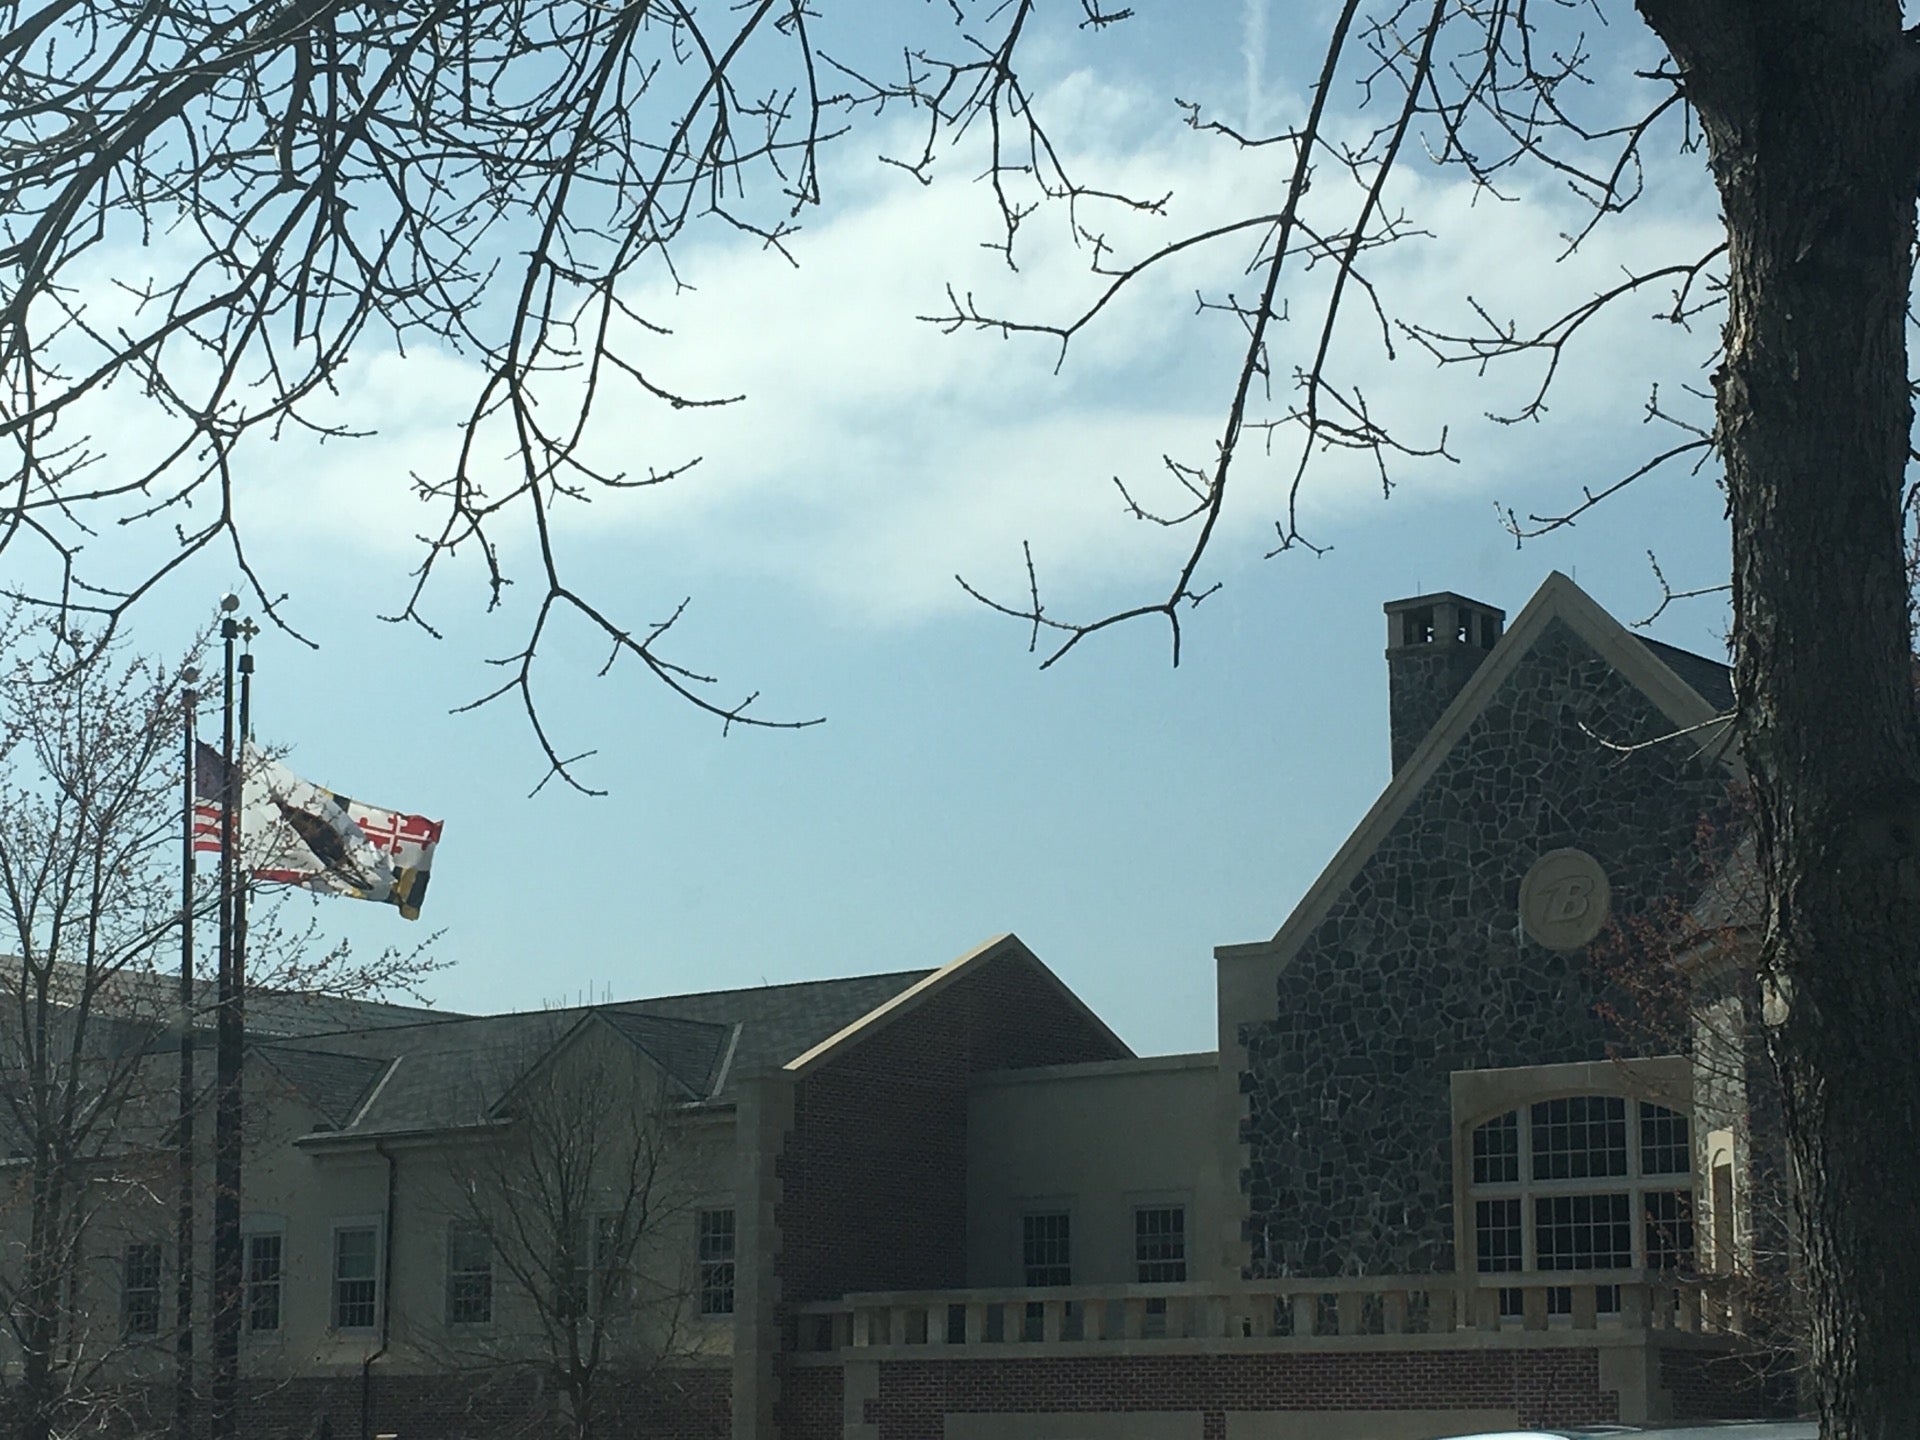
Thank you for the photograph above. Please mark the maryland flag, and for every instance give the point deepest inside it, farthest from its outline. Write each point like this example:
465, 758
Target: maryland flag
293, 832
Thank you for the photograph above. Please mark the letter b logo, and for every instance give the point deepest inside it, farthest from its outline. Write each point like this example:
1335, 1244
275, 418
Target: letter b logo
1563, 900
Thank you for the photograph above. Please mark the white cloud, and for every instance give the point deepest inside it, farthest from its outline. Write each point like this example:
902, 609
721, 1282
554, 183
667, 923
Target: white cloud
1253, 53
875, 456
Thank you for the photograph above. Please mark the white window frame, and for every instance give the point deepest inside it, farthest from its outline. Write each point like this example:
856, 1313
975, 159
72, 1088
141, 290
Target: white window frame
1478, 1096
587, 1280
1036, 1210
1032, 1320
458, 1229
261, 1227
1635, 1183
158, 1289
344, 1225
1174, 1204
1525, 1191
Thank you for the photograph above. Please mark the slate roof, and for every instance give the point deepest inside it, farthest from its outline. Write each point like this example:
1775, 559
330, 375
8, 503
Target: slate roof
453, 1070
690, 1051
1735, 899
438, 1074
780, 1022
281, 1012
153, 994
1710, 680
335, 1085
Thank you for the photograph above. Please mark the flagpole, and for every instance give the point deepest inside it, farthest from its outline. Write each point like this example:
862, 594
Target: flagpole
183, 1234
242, 890
226, 1116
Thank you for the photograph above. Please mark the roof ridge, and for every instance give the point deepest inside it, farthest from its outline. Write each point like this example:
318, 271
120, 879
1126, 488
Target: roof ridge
626, 1008
292, 1042
781, 985
442, 1021
1657, 642
575, 1012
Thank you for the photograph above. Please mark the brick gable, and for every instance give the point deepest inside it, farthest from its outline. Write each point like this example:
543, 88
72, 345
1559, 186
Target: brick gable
873, 1172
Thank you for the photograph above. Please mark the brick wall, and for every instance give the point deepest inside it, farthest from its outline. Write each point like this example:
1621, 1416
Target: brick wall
1545, 1387
689, 1404
810, 1403
873, 1173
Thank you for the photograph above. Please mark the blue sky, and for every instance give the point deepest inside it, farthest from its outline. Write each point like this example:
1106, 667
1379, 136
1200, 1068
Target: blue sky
1122, 816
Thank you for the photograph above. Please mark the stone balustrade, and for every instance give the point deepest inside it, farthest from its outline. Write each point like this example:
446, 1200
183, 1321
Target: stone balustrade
1370, 1312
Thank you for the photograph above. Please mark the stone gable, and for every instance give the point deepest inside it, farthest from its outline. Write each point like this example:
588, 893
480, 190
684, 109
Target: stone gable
1419, 968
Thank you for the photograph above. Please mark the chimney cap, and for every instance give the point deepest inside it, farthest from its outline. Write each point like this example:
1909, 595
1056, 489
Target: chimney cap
1414, 601
1442, 618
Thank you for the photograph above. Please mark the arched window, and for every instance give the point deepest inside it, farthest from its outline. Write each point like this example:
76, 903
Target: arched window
1587, 1182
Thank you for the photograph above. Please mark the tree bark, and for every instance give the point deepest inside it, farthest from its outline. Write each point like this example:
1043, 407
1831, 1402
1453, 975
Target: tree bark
1808, 111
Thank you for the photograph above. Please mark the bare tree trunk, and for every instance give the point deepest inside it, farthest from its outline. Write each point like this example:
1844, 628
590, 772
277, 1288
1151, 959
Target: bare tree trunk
44, 1292
1810, 123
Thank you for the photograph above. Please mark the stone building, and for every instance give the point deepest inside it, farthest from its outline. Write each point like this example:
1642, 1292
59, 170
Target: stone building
1430, 1180
1450, 1183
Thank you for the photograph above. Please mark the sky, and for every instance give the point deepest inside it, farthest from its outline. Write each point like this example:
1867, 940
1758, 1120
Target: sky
1121, 815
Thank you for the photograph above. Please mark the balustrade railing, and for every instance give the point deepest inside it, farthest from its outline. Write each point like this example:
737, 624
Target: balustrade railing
1301, 1313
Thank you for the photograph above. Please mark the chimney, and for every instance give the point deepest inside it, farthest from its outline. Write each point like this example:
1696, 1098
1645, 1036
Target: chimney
1434, 644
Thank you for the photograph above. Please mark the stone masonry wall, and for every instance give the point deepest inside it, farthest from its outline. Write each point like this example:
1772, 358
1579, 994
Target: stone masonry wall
1419, 968
1736, 1087
1421, 683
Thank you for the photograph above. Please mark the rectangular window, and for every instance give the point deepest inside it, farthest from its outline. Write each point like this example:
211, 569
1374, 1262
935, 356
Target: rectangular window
140, 1268
1723, 1231
715, 1246
1496, 1235
1664, 1146
1496, 1151
610, 1254
1579, 1137
1496, 1244
263, 1282
356, 1279
1046, 1251
469, 1275
1669, 1229
1160, 1243
1583, 1232
573, 1267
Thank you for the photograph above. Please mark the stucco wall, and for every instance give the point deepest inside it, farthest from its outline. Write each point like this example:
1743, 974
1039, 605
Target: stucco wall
1095, 1140
305, 1191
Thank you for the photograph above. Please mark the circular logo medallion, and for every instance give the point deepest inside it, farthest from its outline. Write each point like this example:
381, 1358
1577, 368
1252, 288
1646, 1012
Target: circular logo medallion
1563, 900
